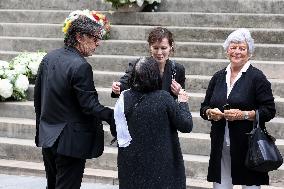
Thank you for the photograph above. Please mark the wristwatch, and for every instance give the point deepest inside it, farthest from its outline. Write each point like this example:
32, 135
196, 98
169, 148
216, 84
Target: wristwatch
246, 115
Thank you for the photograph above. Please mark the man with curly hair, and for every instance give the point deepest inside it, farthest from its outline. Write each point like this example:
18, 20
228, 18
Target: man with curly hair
68, 112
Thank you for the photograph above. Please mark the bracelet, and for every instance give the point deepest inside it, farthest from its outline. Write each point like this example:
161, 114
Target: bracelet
245, 115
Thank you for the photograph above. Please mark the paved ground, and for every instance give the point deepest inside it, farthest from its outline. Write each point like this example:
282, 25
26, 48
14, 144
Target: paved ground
31, 182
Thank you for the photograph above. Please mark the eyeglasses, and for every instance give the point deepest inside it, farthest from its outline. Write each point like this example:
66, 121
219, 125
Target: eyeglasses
95, 38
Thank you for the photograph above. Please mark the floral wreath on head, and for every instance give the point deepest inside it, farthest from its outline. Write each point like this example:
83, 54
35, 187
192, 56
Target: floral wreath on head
99, 18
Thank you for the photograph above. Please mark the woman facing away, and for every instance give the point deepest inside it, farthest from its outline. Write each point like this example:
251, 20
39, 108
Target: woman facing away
147, 123
161, 45
232, 98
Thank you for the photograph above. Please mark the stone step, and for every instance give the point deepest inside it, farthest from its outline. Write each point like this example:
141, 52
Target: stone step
229, 6
268, 52
130, 32
192, 143
253, 6
25, 109
193, 66
24, 150
51, 4
194, 83
20, 122
196, 34
15, 167
23, 128
91, 175
187, 19
194, 101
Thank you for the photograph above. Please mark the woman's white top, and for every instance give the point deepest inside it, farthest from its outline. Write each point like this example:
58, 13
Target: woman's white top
229, 89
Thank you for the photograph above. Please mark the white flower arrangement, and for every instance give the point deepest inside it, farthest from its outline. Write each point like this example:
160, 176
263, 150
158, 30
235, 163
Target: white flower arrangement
27, 63
120, 3
14, 76
13, 85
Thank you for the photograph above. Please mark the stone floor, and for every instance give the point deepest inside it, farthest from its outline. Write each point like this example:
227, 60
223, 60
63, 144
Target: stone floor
31, 182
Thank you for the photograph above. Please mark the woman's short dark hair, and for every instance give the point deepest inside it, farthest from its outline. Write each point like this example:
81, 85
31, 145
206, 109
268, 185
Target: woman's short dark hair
158, 34
145, 75
82, 25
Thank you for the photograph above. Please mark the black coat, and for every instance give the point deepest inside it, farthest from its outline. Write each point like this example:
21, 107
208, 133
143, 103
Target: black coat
172, 70
153, 160
65, 97
251, 92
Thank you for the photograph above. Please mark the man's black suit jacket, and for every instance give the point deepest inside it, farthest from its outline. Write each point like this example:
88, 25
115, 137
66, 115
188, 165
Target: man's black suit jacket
67, 106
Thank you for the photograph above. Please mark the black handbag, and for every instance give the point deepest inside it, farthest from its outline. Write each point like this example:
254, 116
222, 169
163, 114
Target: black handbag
262, 155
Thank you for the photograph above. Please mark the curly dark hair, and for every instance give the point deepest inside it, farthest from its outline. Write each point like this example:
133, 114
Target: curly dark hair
145, 75
82, 25
158, 34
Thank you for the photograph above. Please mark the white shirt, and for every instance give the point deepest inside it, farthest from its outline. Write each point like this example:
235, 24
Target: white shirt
229, 89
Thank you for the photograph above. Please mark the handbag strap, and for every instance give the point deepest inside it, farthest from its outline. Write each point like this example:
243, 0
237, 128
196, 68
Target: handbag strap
256, 121
256, 125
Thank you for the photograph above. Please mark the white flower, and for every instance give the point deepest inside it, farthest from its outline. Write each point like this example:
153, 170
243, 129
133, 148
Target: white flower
139, 2
22, 83
20, 68
33, 66
11, 74
2, 72
36, 59
74, 15
28, 63
6, 88
4, 65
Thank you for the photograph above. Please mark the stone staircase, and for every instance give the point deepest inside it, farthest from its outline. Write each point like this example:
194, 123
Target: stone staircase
200, 29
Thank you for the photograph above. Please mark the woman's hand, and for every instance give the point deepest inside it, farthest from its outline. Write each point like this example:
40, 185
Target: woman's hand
214, 114
183, 96
175, 87
233, 114
115, 87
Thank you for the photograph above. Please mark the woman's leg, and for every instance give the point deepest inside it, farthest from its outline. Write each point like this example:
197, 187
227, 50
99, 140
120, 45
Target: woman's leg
226, 179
